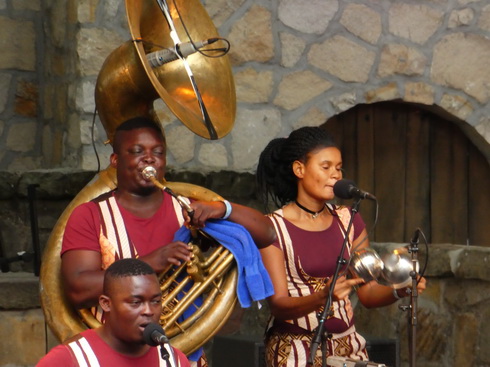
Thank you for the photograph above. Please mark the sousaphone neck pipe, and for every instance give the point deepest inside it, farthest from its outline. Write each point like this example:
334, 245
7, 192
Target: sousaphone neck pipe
149, 174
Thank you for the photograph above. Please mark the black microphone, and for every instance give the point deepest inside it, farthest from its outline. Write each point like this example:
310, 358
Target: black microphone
346, 189
415, 237
154, 335
160, 57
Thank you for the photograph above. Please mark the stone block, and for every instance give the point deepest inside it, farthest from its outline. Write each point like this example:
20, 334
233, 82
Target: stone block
310, 84
26, 99
416, 23
22, 337
55, 184
213, 155
254, 35
221, 10
253, 86
465, 69
252, 132
292, 48
353, 64
384, 93
5, 80
362, 21
469, 259
312, 16
18, 38
465, 339
22, 136
19, 291
180, 143
8, 184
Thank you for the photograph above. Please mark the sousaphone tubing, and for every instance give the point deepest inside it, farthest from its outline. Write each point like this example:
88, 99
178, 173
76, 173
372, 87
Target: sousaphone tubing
127, 87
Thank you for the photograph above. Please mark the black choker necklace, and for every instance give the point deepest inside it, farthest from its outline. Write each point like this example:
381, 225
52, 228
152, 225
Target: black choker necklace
313, 214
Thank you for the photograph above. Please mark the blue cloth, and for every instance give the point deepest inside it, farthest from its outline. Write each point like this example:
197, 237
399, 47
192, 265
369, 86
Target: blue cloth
254, 283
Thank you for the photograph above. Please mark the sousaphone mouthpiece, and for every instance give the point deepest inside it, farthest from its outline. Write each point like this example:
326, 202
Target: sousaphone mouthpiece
149, 173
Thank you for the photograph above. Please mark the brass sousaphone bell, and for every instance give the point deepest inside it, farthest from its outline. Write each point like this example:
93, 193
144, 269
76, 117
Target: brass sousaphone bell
127, 84
127, 87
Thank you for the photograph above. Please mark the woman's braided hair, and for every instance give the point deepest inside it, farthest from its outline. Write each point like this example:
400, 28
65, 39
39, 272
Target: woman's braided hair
275, 177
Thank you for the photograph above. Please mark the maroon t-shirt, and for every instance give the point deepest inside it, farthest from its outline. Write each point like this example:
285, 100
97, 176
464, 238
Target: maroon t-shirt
318, 251
82, 230
62, 355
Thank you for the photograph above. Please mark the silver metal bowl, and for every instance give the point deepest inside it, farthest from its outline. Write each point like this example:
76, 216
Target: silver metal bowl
393, 269
397, 269
366, 264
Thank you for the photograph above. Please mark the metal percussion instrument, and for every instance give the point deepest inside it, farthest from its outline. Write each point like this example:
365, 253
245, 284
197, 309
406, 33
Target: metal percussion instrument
392, 269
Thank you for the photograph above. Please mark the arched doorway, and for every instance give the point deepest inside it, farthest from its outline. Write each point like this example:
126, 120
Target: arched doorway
423, 169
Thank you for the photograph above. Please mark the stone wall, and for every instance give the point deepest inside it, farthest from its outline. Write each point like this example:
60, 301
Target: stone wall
294, 63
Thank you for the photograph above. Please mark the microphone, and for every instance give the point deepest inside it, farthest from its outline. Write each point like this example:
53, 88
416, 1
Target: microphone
154, 335
158, 58
346, 189
415, 237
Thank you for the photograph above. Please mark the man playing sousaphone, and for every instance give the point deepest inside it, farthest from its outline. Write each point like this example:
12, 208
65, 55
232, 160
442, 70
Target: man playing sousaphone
138, 219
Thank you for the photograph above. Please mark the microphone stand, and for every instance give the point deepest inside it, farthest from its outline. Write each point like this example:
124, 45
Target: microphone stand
164, 353
413, 249
321, 334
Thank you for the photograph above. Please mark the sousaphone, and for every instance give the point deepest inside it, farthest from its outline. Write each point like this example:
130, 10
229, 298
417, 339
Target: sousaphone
198, 88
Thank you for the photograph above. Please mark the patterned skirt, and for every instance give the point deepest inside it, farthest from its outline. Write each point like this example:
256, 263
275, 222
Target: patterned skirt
284, 349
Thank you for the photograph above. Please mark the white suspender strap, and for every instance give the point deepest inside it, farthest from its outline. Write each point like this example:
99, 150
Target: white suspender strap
178, 211
121, 229
172, 361
83, 353
344, 216
107, 218
116, 230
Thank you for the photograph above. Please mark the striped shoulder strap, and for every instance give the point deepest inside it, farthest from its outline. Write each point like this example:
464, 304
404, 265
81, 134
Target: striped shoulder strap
83, 353
114, 228
86, 357
344, 216
178, 211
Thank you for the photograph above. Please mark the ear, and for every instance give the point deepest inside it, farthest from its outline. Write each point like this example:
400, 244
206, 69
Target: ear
298, 169
105, 303
113, 160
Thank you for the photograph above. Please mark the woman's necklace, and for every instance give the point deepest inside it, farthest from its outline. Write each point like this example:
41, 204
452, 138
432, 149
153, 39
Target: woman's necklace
313, 214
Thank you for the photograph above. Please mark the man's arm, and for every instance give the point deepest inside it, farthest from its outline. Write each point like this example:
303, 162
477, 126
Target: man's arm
82, 277
259, 226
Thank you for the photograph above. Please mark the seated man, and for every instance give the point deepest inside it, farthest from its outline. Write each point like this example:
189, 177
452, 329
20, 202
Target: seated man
131, 300
138, 219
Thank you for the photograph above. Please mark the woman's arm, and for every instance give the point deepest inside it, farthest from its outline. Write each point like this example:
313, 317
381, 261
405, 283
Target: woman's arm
283, 306
373, 294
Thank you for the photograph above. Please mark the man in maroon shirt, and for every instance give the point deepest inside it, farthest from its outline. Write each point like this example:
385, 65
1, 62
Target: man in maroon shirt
131, 301
138, 219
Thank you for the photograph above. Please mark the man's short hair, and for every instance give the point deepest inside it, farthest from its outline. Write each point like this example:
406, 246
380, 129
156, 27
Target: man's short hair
126, 268
136, 123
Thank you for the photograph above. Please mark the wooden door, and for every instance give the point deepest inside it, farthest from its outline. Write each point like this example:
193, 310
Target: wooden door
423, 169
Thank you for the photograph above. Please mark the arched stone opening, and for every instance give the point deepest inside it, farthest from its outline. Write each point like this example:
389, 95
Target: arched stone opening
425, 169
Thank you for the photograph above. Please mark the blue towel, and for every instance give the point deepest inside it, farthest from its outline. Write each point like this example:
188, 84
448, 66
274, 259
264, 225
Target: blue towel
254, 283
